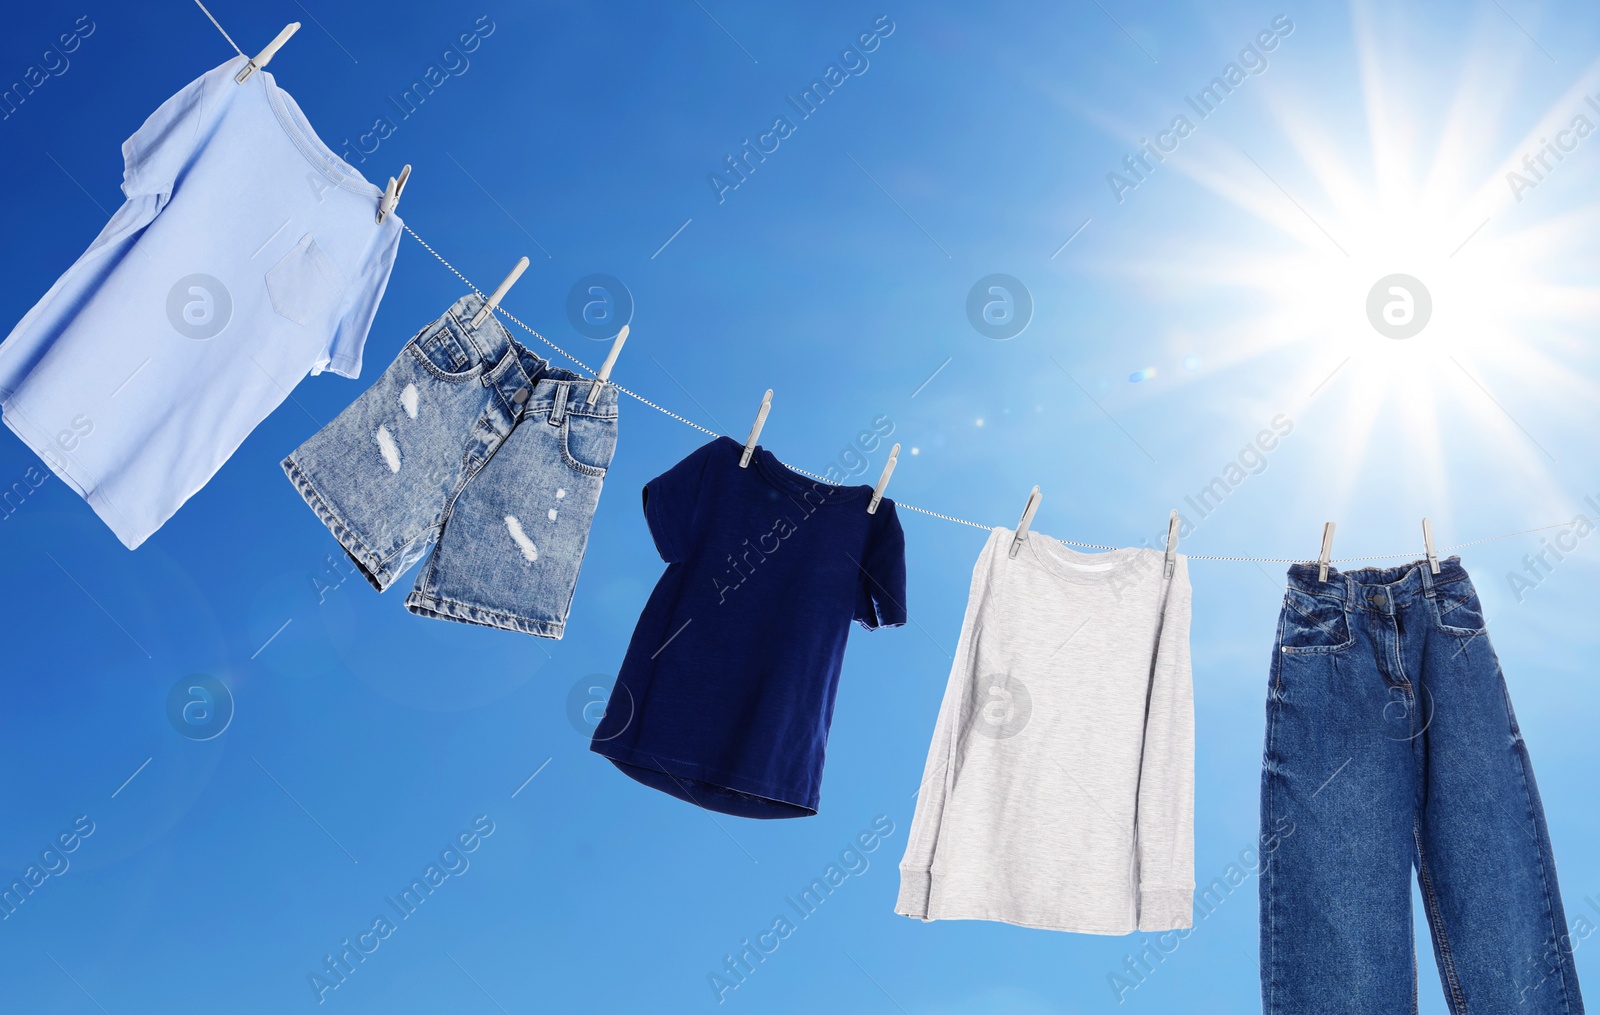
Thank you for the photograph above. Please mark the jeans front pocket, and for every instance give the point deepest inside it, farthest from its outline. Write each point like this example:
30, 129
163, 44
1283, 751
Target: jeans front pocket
444, 354
305, 285
1311, 623
1456, 608
588, 442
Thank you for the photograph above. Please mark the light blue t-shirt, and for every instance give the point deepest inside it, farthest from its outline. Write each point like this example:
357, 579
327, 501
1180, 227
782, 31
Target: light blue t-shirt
246, 255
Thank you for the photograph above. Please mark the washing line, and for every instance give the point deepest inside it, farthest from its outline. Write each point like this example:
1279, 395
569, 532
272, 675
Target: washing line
219, 28
909, 507
951, 518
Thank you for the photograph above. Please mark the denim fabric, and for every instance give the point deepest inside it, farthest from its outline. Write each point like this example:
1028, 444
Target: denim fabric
473, 445
1391, 746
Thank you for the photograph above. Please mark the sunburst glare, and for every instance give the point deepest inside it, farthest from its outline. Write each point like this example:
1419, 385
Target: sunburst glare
1423, 284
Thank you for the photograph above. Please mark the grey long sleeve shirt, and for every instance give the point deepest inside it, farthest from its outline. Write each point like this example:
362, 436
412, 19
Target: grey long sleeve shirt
1059, 788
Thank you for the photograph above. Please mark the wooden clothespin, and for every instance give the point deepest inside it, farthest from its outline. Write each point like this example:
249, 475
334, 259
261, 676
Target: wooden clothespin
755, 431
883, 480
1327, 548
260, 59
604, 375
1427, 543
499, 291
1027, 520
392, 192
1172, 543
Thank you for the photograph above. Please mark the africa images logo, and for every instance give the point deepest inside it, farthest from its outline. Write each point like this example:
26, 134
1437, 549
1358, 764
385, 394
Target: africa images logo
999, 307
1006, 707
1399, 306
200, 707
199, 306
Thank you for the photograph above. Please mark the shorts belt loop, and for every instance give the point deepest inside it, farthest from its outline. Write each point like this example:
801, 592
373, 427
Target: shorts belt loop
558, 410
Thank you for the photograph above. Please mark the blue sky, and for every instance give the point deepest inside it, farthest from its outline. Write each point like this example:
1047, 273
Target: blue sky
1170, 323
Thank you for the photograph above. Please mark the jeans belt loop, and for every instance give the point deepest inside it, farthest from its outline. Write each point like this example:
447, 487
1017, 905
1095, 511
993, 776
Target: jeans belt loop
473, 337
558, 411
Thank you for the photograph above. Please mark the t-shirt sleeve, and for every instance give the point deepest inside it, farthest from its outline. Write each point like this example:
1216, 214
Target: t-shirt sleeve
155, 154
881, 589
1164, 819
672, 504
361, 306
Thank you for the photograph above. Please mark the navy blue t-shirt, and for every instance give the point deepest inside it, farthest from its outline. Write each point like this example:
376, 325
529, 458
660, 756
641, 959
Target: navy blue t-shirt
726, 692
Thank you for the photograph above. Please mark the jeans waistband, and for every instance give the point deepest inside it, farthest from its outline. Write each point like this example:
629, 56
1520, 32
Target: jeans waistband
1383, 587
523, 377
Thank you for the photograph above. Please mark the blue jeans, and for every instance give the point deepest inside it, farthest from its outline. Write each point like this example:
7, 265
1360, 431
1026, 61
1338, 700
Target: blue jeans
1391, 745
473, 446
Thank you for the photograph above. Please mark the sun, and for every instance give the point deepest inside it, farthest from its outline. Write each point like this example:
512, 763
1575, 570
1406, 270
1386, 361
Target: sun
1425, 301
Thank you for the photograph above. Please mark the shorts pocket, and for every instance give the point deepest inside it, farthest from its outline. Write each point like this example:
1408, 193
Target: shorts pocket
1313, 623
445, 355
588, 442
305, 285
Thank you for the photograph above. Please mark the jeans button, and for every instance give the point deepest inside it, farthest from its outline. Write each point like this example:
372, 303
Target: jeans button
521, 396
1379, 599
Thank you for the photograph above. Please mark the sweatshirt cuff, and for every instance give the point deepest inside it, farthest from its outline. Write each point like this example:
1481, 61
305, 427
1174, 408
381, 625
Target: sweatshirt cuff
1166, 909
913, 899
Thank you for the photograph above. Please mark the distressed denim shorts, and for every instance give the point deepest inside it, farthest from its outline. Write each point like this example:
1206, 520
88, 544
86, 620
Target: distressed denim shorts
472, 445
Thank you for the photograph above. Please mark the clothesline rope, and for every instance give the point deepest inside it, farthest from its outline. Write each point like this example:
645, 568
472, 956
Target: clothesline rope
909, 507
951, 518
224, 31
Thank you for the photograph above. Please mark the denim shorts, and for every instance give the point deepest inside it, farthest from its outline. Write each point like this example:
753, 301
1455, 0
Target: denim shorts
471, 444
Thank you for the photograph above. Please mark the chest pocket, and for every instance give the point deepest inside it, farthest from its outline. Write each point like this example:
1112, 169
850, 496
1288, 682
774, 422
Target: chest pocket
305, 285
